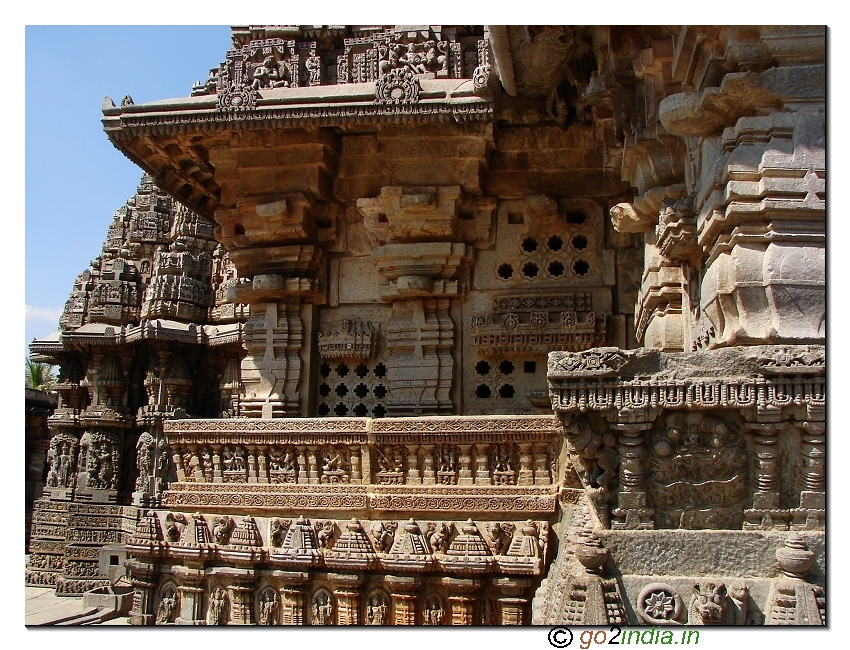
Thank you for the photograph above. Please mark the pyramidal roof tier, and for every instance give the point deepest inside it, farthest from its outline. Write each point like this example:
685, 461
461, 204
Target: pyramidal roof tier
277, 77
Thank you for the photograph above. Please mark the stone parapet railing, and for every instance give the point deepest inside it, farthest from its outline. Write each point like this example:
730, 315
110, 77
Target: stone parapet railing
449, 457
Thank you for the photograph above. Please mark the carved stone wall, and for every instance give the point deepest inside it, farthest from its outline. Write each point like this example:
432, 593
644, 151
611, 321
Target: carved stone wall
429, 238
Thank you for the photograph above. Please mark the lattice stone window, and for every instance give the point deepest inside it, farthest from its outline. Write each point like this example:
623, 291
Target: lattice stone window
559, 251
352, 388
496, 379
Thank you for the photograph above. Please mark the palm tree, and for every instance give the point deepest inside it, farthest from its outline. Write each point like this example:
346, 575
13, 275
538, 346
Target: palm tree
39, 376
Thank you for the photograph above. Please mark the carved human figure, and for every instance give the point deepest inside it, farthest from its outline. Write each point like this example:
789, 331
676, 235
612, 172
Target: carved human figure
228, 459
100, 468
239, 459
216, 609
331, 461
384, 65
376, 611
190, 463
502, 458
275, 459
165, 611
433, 614
265, 74
313, 65
448, 458
435, 57
144, 461
207, 464
59, 474
322, 609
65, 466
268, 607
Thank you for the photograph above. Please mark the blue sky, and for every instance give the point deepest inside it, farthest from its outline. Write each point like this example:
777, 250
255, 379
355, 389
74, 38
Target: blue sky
75, 179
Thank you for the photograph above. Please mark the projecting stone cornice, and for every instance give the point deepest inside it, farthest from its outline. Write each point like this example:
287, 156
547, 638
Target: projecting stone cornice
437, 101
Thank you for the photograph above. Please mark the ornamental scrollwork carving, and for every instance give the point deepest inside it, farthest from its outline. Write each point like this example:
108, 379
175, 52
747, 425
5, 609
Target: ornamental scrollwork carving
398, 87
659, 604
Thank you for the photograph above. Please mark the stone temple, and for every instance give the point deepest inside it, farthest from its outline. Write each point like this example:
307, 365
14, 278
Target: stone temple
456, 325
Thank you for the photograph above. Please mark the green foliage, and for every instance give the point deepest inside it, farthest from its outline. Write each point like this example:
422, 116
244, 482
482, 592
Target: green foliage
39, 376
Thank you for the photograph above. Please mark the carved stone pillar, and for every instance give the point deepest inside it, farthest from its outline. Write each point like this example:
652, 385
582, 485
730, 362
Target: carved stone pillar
313, 463
178, 464
274, 337
403, 592
464, 476
216, 460
191, 589
482, 464
461, 599
541, 464
241, 600
252, 464
356, 469
420, 336
347, 593
428, 465
143, 577
463, 610
262, 466
292, 596
302, 464
766, 513
413, 476
513, 603
422, 280
812, 511
526, 473
632, 511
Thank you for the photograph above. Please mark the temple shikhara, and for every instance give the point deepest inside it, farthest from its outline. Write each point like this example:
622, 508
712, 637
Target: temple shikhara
456, 325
